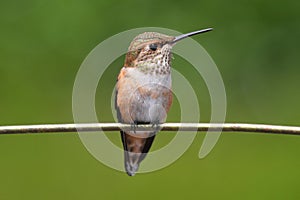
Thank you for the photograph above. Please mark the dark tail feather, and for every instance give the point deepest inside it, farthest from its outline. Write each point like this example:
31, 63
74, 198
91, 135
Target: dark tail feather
147, 146
135, 150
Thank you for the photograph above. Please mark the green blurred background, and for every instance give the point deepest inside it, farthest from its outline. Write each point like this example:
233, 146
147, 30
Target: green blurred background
255, 45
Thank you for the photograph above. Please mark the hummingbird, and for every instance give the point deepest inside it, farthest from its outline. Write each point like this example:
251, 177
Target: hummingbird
143, 91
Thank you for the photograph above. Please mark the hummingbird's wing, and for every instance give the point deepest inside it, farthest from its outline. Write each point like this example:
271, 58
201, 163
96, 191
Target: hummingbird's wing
117, 107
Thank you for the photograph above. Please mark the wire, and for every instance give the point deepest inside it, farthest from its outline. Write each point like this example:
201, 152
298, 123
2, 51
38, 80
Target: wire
92, 127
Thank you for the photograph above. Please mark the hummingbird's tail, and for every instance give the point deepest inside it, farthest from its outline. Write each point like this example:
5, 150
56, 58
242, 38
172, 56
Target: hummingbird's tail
136, 147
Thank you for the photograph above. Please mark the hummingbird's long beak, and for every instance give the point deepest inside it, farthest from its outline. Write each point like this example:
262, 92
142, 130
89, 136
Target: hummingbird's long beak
180, 37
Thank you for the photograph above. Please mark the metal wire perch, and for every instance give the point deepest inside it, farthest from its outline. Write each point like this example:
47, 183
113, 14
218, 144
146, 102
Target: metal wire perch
201, 127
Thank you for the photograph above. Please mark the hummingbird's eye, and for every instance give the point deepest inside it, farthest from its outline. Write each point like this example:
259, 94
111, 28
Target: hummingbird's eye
153, 47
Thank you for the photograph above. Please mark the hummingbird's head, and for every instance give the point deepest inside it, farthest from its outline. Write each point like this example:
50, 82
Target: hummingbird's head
150, 52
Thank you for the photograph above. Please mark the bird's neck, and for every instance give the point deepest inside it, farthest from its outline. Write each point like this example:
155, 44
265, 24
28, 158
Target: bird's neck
154, 67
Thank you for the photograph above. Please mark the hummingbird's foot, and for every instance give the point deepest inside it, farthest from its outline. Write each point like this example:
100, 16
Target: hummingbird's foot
156, 126
134, 126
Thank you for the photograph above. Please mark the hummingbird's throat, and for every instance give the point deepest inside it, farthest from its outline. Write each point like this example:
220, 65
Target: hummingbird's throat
158, 63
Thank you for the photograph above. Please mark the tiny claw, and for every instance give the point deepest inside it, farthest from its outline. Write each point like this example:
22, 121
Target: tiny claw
134, 127
156, 126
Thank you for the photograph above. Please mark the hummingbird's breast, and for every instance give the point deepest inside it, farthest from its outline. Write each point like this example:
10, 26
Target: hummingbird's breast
143, 97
